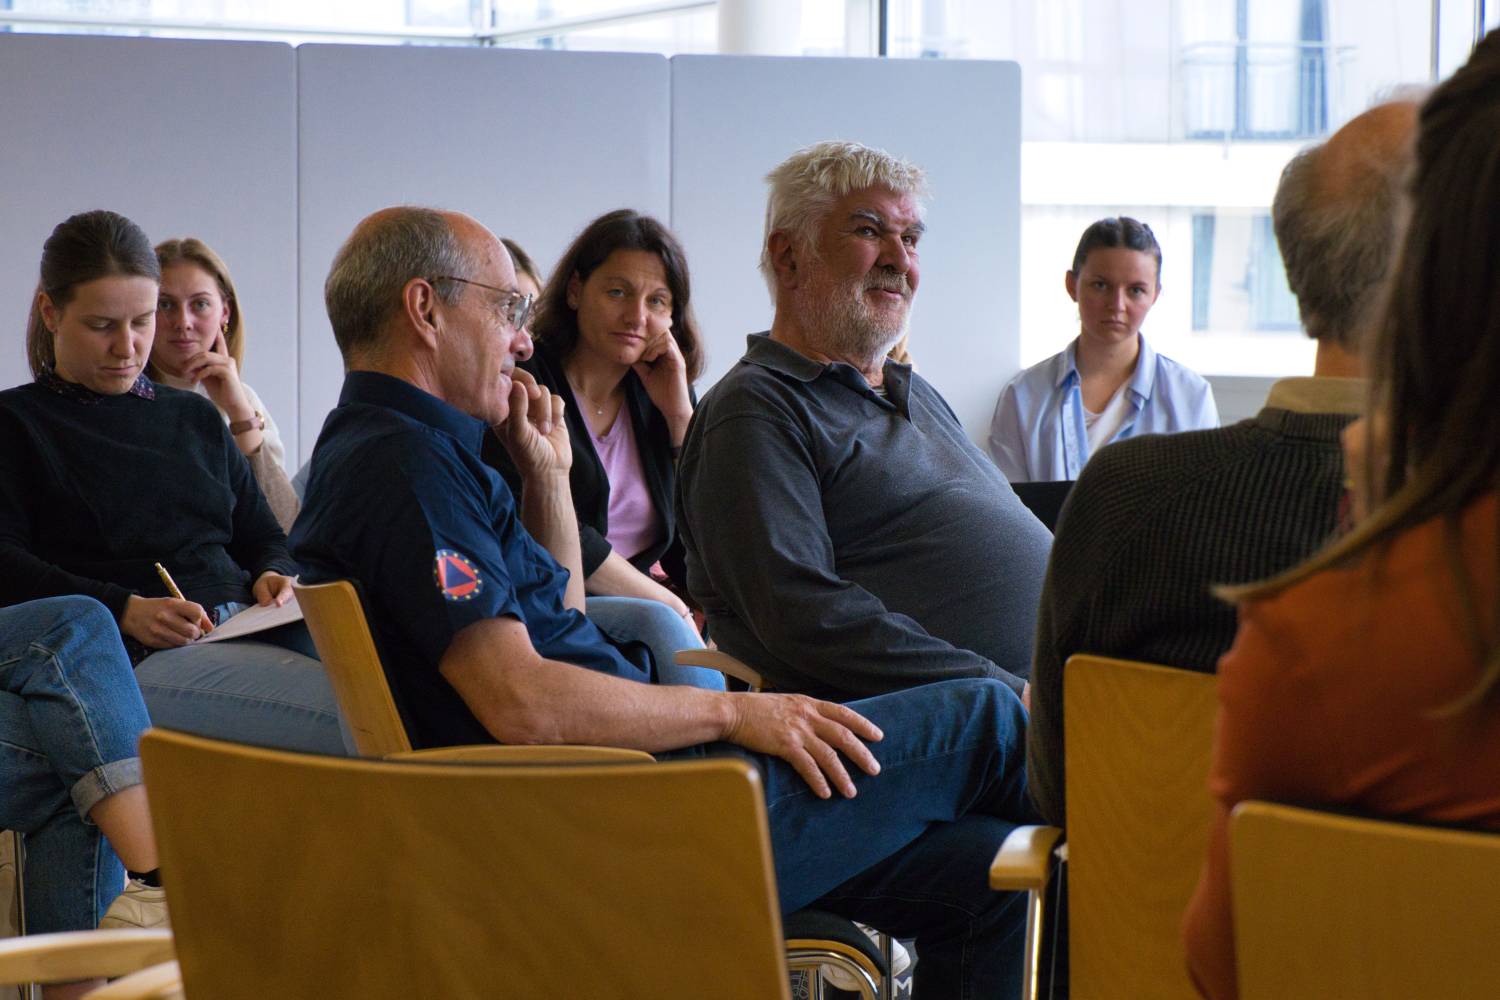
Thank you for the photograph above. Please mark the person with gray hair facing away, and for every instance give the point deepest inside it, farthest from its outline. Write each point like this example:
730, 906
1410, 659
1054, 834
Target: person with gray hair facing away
1155, 522
843, 535
887, 811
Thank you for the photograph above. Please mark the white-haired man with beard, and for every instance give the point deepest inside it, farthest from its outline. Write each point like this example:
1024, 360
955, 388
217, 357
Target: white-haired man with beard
844, 536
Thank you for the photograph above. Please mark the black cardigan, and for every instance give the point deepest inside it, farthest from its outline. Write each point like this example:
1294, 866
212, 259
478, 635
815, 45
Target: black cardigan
588, 483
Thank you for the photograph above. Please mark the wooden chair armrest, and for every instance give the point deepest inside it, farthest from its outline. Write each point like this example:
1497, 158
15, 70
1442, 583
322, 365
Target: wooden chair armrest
494, 753
159, 982
72, 955
1024, 861
725, 664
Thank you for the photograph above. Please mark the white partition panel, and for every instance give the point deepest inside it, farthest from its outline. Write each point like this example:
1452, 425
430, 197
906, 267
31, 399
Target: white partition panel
533, 144
186, 138
736, 117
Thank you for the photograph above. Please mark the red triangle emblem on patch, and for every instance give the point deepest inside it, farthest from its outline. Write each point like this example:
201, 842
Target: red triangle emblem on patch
457, 576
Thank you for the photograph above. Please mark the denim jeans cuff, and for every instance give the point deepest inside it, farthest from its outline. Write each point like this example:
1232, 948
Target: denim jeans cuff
104, 781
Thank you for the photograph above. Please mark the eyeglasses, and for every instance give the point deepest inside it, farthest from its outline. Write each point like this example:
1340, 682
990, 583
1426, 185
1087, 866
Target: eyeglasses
514, 307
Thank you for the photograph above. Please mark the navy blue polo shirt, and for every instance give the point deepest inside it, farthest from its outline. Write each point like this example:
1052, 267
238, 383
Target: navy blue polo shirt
399, 501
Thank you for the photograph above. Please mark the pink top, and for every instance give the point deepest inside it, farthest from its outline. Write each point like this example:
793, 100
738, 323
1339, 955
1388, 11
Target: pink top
634, 523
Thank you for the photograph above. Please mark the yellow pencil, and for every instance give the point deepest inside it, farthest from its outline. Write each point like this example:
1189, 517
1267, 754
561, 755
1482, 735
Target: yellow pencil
166, 578
172, 587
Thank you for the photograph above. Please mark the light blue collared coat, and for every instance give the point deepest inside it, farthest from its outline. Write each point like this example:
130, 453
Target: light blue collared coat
1038, 433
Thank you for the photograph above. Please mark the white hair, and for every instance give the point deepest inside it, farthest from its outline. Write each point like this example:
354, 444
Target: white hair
806, 185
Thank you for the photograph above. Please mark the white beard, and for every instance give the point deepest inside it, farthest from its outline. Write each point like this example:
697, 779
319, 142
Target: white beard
844, 323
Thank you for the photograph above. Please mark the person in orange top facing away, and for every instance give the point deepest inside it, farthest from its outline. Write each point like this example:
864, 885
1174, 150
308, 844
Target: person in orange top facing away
1367, 678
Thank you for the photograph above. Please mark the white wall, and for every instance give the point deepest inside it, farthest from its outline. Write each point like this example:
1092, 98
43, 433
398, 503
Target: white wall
272, 155
186, 138
532, 144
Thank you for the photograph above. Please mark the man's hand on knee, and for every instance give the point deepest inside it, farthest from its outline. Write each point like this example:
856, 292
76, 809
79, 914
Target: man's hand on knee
808, 734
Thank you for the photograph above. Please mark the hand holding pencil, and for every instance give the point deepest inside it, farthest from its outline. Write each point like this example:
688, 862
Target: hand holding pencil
164, 622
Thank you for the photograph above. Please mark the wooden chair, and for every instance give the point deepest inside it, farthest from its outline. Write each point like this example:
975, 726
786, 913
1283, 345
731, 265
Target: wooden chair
335, 617
1340, 907
725, 664
1138, 741
12, 905
604, 880
74, 955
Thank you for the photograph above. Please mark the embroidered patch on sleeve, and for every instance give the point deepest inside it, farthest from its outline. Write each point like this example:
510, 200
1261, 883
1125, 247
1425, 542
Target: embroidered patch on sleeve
456, 576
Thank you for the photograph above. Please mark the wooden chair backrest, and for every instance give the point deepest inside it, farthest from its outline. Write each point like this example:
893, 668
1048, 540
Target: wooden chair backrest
1138, 740
336, 620
1336, 906
302, 875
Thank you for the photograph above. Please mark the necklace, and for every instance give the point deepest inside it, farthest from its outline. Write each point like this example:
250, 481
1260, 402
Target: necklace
585, 397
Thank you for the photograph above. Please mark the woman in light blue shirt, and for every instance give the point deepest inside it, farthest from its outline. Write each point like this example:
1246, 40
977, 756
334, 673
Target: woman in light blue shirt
1109, 384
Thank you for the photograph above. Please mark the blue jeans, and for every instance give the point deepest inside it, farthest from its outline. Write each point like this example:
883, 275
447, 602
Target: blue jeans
660, 628
910, 854
269, 690
70, 719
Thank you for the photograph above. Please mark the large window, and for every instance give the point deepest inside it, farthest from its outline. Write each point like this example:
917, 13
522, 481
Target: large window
1180, 112
1258, 70
1238, 280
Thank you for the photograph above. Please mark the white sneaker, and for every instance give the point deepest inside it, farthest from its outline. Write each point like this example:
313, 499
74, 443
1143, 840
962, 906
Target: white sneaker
140, 905
840, 978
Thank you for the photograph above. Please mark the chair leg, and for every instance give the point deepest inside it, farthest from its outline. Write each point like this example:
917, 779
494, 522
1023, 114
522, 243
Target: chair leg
888, 981
24, 991
1031, 967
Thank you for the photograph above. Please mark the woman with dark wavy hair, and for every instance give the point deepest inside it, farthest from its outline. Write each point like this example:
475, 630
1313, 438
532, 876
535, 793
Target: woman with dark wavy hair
1367, 679
616, 339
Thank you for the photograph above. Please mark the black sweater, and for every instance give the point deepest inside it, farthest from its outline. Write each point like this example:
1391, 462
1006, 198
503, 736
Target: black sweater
1152, 525
95, 489
587, 480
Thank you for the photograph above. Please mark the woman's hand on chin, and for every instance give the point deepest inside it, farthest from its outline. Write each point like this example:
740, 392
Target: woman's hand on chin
663, 372
215, 368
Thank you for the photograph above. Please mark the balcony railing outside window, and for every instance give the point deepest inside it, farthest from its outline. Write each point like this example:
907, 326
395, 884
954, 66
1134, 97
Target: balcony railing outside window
1264, 90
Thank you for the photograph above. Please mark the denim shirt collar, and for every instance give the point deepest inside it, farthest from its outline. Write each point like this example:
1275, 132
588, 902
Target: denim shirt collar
397, 394
1142, 381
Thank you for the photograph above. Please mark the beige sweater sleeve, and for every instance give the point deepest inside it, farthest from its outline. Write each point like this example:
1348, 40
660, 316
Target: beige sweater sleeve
273, 483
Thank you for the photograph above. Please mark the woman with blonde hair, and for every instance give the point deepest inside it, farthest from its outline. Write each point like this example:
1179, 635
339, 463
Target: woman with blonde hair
200, 347
1368, 679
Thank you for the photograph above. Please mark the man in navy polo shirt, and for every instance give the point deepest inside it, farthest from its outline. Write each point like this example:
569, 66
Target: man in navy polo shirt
476, 598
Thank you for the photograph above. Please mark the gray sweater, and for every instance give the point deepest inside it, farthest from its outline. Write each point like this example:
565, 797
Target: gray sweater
847, 544
1155, 522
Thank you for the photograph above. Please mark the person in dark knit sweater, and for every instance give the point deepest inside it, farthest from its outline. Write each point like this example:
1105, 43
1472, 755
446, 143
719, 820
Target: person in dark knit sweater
106, 474
1154, 523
